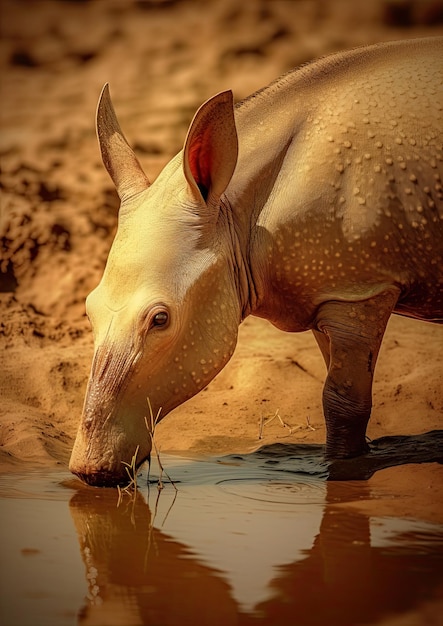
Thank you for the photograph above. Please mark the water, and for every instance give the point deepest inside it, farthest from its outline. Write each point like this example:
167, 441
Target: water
243, 540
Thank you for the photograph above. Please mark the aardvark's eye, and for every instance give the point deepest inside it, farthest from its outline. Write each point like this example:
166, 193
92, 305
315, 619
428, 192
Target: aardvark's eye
160, 319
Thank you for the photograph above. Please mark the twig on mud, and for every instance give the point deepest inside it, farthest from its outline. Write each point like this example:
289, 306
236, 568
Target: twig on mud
264, 422
308, 423
260, 427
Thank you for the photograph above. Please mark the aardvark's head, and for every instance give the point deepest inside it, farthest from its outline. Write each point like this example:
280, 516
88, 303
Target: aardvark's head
166, 312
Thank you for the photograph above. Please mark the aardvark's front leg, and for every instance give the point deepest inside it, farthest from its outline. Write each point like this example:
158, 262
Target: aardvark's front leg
349, 335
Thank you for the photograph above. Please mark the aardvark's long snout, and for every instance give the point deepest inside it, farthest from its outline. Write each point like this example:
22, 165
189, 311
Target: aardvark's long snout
106, 462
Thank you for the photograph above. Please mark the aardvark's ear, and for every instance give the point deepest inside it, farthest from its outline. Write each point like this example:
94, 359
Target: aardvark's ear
118, 157
211, 147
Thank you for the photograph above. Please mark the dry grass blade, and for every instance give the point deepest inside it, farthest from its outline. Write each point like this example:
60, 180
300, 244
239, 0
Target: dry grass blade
151, 425
264, 422
131, 470
308, 423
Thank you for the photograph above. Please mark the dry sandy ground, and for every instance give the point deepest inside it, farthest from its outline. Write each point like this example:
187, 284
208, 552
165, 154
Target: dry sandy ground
58, 217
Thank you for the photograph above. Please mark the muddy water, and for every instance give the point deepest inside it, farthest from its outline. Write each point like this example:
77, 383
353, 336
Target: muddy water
260, 539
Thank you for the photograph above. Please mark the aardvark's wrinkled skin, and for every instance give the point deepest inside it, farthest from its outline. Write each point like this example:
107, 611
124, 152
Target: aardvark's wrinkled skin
331, 221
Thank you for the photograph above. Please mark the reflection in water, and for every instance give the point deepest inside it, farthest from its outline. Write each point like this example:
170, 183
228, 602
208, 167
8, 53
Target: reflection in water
268, 547
139, 575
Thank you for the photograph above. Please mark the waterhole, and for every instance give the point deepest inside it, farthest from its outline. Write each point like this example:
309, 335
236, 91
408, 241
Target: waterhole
238, 540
